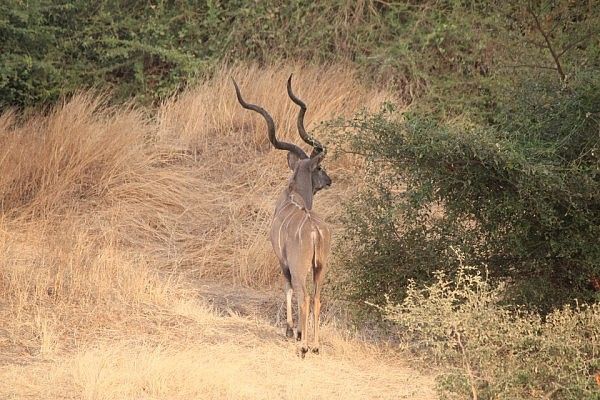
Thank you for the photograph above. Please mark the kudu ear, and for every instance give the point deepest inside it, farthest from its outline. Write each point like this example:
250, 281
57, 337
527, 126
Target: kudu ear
292, 159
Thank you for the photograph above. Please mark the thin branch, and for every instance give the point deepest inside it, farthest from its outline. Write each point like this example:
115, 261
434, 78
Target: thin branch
528, 66
575, 43
556, 24
467, 366
344, 151
538, 25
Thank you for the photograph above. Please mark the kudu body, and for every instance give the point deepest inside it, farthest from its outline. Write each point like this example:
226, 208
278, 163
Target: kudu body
300, 237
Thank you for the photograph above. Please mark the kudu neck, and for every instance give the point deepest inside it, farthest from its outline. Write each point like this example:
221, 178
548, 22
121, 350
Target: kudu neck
301, 184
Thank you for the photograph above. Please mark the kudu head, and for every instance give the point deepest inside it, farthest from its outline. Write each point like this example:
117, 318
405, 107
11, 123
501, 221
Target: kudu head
308, 175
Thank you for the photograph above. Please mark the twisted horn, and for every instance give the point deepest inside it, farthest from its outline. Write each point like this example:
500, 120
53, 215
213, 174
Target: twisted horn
318, 147
270, 125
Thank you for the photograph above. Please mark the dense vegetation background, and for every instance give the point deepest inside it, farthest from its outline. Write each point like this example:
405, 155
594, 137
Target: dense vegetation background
149, 49
497, 158
489, 158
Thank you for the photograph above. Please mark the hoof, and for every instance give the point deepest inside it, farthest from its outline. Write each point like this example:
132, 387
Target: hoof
303, 351
299, 336
289, 332
315, 350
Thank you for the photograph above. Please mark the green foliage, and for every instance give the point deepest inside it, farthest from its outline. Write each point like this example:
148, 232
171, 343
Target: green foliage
129, 47
508, 173
150, 49
518, 194
26, 75
493, 352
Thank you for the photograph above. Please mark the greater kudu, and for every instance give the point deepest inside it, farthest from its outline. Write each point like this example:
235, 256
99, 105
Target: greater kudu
300, 237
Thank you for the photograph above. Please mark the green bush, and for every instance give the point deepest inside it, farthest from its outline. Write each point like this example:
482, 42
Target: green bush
26, 75
150, 49
518, 193
52, 48
502, 164
490, 351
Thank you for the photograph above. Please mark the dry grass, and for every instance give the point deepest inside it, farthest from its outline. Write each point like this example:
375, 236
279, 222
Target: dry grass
217, 357
110, 217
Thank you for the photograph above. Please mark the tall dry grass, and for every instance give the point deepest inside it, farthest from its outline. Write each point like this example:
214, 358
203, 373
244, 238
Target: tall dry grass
110, 219
106, 210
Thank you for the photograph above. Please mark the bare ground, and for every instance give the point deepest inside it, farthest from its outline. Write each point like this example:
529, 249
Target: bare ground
229, 349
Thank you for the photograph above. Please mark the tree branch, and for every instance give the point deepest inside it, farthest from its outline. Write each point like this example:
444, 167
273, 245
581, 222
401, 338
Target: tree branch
556, 24
556, 57
467, 366
575, 43
528, 66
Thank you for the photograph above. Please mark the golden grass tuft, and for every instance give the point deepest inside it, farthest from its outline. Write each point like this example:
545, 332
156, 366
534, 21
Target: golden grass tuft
112, 216
76, 154
209, 114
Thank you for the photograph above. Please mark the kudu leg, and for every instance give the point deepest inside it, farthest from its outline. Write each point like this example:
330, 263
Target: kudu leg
303, 308
317, 279
289, 332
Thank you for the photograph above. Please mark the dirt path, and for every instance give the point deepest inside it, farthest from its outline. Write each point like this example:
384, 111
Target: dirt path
348, 368
220, 346
228, 300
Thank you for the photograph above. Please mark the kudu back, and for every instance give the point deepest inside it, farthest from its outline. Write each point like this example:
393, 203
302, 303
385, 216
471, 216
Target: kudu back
300, 237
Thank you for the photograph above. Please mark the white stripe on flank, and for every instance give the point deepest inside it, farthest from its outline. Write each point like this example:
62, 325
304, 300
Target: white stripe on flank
313, 237
298, 231
280, 228
316, 232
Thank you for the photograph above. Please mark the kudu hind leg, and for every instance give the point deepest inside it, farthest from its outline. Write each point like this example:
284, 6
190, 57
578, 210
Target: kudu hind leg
303, 308
288, 291
289, 332
317, 281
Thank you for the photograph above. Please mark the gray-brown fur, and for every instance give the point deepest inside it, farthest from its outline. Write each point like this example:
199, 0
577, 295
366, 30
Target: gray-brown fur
300, 237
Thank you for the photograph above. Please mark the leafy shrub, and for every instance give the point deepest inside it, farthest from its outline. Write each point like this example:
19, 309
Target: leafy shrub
492, 351
502, 164
51, 49
518, 193
150, 49
26, 76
